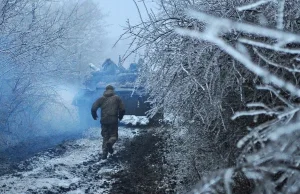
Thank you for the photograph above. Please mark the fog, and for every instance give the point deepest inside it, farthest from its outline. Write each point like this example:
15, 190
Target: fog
46, 48
221, 78
116, 14
61, 116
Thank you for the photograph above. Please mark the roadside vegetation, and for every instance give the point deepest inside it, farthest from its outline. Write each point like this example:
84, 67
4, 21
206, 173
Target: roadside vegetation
227, 74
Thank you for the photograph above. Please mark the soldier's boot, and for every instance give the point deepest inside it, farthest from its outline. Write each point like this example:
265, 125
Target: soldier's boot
110, 148
111, 141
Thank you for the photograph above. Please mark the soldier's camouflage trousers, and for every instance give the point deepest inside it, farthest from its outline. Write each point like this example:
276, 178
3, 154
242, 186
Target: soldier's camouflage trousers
109, 133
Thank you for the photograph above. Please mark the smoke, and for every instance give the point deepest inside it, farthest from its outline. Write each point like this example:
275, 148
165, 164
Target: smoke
44, 126
61, 116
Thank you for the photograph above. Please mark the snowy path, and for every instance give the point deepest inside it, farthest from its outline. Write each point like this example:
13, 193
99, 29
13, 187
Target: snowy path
73, 167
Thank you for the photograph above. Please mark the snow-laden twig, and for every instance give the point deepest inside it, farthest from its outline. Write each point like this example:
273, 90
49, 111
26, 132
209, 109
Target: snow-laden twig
188, 73
253, 5
294, 70
228, 180
288, 113
246, 138
277, 94
207, 187
258, 104
244, 27
268, 46
284, 130
253, 113
280, 115
280, 14
261, 72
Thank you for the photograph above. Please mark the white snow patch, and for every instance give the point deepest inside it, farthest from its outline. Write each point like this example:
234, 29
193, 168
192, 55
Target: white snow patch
135, 120
92, 133
128, 133
78, 191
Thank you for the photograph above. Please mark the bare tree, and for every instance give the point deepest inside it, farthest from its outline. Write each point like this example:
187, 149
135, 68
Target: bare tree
41, 45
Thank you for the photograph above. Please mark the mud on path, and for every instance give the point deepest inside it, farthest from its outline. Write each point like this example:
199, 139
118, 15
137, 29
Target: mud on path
143, 161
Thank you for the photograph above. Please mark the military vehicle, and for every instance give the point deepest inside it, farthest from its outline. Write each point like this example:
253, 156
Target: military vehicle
122, 79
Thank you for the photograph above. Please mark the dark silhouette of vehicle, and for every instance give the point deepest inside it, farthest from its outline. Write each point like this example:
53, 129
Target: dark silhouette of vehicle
122, 79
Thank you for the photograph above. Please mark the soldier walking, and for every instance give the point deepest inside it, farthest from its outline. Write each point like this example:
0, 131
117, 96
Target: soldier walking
112, 109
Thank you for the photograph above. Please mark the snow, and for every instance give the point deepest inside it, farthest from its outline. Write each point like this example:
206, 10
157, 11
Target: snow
284, 130
228, 180
280, 15
296, 70
93, 67
135, 120
244, 27
78, 191
253, 113
253, 5
128, 133
216, 24
75, 171
268, 46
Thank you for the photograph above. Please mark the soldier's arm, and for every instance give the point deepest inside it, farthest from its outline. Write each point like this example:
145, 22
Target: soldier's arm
95, 106
121, 109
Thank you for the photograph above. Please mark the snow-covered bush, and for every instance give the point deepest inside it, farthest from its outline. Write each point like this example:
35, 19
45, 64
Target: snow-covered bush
192, 80
203, 69
268, 163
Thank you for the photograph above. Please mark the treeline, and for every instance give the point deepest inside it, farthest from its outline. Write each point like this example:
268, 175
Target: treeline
44, 45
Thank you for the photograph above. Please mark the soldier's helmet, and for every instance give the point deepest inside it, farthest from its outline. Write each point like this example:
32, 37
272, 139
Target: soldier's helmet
109, 87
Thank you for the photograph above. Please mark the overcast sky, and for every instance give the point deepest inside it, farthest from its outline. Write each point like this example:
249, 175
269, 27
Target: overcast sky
117, 12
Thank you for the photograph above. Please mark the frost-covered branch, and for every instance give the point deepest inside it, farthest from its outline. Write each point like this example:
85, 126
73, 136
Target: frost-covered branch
280, 14
258, 104
192, 77
292, 70
182, 46
260, 143
253, 5
264, 73
226, 25
253, 113
277, 94
268, 46
284, 130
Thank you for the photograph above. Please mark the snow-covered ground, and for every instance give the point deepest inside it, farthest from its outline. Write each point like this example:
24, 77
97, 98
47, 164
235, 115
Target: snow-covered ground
135, 120
73, 167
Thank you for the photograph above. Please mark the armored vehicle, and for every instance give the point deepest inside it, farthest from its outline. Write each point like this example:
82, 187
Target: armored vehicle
122, 79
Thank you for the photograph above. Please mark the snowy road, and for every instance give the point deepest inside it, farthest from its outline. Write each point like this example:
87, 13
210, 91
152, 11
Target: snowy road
73, 167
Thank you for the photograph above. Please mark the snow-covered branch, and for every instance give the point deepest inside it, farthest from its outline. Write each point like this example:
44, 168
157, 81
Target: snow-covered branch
284, 130
277, 94
268, 46
280, 14
284, 113
292, 70
229, 58
227, 25
263, 73
192, 77
253, 5
258, 104
253, 113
